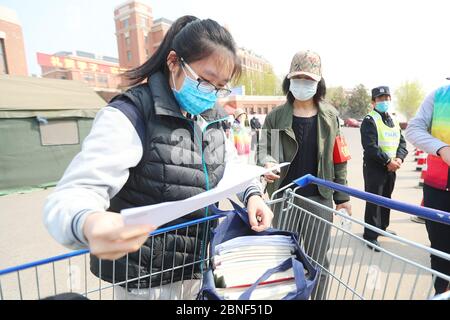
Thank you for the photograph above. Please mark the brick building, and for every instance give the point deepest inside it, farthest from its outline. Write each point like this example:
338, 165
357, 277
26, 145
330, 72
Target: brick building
252, 62
261, 105
12, 48
138, 34
99, 72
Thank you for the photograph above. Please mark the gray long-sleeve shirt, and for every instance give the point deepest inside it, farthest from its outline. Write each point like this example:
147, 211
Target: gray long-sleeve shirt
419, 128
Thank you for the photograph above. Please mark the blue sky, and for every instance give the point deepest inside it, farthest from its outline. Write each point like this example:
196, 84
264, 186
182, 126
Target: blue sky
374, 43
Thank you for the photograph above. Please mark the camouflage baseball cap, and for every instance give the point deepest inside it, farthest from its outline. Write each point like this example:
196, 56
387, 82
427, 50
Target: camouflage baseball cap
307, 63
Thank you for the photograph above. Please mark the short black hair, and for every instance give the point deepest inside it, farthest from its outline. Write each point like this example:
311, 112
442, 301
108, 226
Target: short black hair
374, 98
318, 97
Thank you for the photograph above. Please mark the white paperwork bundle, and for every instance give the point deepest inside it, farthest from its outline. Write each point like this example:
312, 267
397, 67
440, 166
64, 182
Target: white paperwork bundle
271, 291
236, 179
240, 262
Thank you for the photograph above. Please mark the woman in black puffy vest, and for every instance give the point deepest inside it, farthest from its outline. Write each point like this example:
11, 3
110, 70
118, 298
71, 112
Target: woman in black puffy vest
160, 141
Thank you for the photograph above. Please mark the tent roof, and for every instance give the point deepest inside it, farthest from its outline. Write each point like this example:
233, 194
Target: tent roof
39, 94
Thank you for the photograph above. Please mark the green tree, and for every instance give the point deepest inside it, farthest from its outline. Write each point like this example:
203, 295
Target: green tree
409, 96
260, 83
337, 97
358, 102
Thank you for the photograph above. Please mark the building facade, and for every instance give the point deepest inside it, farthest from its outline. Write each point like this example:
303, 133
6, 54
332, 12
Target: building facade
260, 105
138, 34
253, 62
98, 72
12, 47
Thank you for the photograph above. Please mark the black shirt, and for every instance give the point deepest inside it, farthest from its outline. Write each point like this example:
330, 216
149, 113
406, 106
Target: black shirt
306, 159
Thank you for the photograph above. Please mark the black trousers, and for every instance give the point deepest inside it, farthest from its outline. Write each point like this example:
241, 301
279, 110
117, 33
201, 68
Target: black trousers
377, 180
438, 233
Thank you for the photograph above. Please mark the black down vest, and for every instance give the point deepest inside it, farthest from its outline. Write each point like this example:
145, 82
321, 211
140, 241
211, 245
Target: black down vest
179, 161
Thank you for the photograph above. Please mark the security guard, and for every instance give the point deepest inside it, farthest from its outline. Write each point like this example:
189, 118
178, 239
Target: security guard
384, 153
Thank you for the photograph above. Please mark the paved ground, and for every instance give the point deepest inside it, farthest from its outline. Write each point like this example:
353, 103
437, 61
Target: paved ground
23, 237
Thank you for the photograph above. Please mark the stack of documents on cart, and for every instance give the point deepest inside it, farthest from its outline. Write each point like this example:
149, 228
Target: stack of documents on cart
240, 262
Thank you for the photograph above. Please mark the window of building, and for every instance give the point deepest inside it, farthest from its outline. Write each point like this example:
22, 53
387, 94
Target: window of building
129, 56
126, 23
147, 53
259, 110
88, 77
102, 78
144, 21
127, 41
3, 64
146, 38
59, 132
266, 110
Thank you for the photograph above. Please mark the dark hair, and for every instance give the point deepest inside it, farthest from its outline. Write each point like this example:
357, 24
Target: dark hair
318, 97
193, 40
375, 98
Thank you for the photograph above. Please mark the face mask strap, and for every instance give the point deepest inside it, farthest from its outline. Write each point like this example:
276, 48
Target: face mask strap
173, 82
182, 63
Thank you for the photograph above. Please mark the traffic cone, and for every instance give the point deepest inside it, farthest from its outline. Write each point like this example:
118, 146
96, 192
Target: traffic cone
417, 154
422, 176
421, 162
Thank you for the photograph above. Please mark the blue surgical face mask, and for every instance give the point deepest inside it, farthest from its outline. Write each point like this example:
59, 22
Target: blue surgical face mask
303, 89
191, 99
383, 106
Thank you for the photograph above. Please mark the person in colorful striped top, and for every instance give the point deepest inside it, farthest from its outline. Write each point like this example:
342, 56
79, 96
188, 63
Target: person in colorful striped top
430, 131
241, 134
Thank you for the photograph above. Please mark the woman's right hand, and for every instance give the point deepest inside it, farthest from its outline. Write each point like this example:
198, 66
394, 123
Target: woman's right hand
110, 239
272, 176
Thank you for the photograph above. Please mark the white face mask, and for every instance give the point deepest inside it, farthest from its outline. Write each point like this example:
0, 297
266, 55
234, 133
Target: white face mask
303, 89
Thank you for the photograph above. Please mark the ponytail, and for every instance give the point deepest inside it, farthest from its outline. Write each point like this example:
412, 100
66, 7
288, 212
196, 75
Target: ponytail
157, 62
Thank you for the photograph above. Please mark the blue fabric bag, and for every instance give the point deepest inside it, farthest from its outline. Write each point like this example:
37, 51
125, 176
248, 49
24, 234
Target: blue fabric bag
236, 224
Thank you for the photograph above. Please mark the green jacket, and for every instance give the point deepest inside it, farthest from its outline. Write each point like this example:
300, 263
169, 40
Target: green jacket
279, 122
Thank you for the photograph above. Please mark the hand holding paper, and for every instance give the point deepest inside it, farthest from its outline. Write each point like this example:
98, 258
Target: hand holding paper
237, 178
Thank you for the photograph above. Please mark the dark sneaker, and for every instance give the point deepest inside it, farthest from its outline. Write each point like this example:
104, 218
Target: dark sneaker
373, 245
417, 220
390, 232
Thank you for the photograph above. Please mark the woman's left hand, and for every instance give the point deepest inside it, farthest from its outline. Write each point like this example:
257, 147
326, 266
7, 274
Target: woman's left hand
347, 206
259, 214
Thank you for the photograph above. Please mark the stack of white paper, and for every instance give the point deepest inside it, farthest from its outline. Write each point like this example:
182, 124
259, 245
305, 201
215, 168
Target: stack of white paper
272, 291
240, 262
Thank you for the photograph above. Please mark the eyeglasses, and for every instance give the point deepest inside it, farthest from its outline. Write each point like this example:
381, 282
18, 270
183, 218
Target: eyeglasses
205, 86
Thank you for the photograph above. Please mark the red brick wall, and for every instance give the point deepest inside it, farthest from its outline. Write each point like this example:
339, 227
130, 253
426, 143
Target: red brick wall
15, 48
136, 32
257, 105
158, 36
